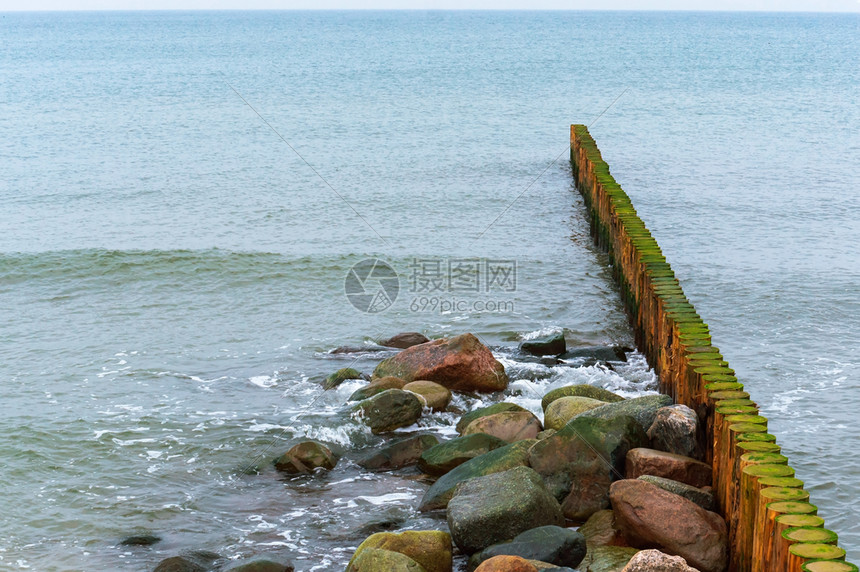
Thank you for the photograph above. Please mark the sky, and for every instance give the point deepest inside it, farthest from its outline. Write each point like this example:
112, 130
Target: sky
743, 5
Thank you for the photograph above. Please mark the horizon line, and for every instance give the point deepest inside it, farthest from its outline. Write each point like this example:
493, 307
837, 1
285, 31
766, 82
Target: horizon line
372, 9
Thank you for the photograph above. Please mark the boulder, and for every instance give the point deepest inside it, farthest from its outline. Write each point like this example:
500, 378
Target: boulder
643, 461
550, 544
262, 566
656, 561
435, 396
551, 345
376, 386
461, 363
676, 430
642, 409
340, 376
390, 410
377, 560
600, 530
432, 549
194, 561
701, 497
509, 426
398, 454
582, 390
494, 508
405, 340
305, 458
446, 456
562, 410
466, 419
581, 460
606, 558
648, 516
506, 564
496, 461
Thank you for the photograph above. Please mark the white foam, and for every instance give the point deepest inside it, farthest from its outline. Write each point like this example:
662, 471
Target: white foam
263, 381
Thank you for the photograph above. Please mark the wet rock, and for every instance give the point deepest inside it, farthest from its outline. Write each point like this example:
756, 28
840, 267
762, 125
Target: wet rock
606, 558
466, 419
376, 386
262, 566
509, 426
656, 561
340, 376
600, 530
195, 561
551, 345
582, 390
648, 516
390, 410
496, 461
398, 454
546, 433
643, 461
140, 540
446, 456
405, 340
506, 564
598, 354
562, 410
551, 545
676, 430
642, 409
491, 509
580, 461
432, 549
377, 560
435, 396
461, 363
358, 349
703, 498
305, 457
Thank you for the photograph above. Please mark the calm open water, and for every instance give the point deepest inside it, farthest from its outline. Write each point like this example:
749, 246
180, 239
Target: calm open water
172, 274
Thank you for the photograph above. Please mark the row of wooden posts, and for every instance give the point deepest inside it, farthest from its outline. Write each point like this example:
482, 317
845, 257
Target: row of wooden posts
772, 525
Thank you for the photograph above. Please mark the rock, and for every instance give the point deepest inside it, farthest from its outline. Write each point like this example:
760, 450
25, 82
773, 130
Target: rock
340, 376
656, 561
701, 497
179, 564
376, 386
466, 419
496, 461
606, 558
140, 540
642, 461
583, 390
506, 564
405, 340
676, 430
600, 530
390, 410
358, 349
642, 409
461, 363
597, 354
398, 454
581, 460
562, 410
305, 457
493, 508
551, 345
435, 396
509, 426
546, 433
446, 456
431, 549
377, 560
550, 544
648, 516
262, 566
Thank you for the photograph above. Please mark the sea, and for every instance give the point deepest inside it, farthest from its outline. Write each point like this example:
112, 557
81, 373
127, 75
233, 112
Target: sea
197, 207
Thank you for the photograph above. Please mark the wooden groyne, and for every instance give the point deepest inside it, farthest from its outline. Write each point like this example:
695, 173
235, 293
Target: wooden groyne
772, 524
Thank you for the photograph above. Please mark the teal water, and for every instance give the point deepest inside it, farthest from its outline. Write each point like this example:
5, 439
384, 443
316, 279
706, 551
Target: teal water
172, 274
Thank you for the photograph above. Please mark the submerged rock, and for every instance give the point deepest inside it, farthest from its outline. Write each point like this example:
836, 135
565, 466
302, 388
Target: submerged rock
676, 430
431, 549
461, 363
435, 396
581, 390
262, 566
377, 560
551, 345
405, 340
643, 461
549, 544
614, 353
493, 508
194, 561
390, 410
446, 456
509, 426
340, 376
466, 419
305, 457
562, 410
398, 454
376, 386
140, 540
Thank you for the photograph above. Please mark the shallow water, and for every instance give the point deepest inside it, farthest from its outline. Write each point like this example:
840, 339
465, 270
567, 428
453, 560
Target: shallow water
172, 274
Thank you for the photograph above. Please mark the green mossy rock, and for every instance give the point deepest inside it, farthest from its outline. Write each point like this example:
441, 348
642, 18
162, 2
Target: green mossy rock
431, 549
435, 396
377, 560
399, 454
446, 456
376, 386
582, 390
606, 558
390, 410
562, 410
642, 409
484, 411
550, 544
340, 376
